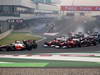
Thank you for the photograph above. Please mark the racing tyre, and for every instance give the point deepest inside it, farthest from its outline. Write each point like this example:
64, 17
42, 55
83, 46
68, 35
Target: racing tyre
35, 46
94, 44
57, 47
45, 45
64, 47
4, 49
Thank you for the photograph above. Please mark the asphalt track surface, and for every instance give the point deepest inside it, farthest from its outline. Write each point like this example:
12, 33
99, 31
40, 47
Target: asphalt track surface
41, 49
58, 27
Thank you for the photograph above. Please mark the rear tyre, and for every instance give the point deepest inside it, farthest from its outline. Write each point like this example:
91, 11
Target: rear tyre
94, 44
35, 46
4, 49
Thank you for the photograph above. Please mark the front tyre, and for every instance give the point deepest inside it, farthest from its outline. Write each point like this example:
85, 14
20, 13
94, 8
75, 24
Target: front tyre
57, 47
45, 45
64, 47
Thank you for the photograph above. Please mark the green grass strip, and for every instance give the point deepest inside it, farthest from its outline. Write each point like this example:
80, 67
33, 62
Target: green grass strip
23, 64
18, 36
49, 63
73, 64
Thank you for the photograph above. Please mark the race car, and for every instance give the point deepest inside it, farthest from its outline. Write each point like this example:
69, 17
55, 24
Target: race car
96, 35
70, 43
55, 41
62, 42
51, 43
88, 41
85, 41
77, 40
61, 45
19, 45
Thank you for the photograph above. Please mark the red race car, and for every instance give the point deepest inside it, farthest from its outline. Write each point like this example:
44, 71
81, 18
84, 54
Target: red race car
51, 43
70, 43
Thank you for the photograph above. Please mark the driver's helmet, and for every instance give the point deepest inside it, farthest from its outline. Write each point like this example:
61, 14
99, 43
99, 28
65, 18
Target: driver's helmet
17, 42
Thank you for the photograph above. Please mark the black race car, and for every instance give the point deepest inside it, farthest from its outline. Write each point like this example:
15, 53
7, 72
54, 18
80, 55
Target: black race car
88, 41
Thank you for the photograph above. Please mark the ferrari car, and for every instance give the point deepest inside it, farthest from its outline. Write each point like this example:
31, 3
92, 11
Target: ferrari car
51, 43
70, 43
55, 42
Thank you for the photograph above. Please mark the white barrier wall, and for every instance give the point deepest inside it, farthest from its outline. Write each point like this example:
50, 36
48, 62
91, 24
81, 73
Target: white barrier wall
48, 7
81, 2
86, 13
3, 35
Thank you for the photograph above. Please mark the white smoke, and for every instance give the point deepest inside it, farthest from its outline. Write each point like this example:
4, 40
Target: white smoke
80, 29
96, 29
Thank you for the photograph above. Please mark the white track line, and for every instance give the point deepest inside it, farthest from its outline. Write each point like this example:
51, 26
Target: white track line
80, 54
55, 57
5, 62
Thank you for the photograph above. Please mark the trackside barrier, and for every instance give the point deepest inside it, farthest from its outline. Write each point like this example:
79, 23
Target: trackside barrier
46, 55
3, 35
